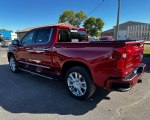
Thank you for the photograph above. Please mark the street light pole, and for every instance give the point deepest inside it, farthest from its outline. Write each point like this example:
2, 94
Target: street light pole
118, 19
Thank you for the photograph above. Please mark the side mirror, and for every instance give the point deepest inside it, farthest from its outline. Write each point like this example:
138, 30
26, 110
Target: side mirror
16, 42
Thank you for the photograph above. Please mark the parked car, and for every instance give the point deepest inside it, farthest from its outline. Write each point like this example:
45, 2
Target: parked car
92, 39
5, 43
62, 52
107, 38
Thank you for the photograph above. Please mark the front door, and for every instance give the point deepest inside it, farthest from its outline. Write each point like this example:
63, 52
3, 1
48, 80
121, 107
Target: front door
23, 54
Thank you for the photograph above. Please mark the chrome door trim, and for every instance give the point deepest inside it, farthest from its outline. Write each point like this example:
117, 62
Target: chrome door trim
30, 50
34, 64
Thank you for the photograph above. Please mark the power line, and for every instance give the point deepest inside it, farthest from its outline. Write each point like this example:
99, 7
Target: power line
99, 5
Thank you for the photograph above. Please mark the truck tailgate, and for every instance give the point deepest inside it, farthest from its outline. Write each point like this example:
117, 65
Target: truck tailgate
134, 55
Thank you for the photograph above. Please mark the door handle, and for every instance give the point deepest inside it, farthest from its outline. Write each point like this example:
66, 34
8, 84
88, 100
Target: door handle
28, 48
46, 49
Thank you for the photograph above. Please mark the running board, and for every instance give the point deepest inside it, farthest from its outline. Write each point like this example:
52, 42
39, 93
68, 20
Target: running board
36, 74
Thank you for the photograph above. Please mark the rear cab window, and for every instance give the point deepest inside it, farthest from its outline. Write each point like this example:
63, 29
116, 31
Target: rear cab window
71, 35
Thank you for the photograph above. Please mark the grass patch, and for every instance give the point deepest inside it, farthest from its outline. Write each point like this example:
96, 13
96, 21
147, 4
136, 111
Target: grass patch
147, 50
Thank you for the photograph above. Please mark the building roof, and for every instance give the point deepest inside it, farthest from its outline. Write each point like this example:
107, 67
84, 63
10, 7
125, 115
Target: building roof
31, 28
125, 25
107, 31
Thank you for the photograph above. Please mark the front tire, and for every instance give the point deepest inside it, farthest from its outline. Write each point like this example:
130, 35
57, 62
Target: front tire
13, 64
79, 83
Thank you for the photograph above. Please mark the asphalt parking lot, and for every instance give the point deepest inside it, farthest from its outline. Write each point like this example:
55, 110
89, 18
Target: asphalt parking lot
24, 96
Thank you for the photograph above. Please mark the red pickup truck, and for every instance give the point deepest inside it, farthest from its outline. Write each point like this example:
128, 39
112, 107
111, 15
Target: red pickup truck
64, 52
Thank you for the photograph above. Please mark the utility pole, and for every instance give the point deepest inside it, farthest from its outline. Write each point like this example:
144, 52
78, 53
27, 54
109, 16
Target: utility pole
118, 19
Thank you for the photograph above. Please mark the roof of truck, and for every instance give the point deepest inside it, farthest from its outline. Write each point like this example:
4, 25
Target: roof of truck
61, 25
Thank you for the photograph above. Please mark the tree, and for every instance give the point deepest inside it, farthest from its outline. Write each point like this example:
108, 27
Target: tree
73, 18
67, 16
94, 26
79, 18
4, 30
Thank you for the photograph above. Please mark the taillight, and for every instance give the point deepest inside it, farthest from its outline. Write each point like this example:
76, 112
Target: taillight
121, 64
119, 53
120, 56
124, 55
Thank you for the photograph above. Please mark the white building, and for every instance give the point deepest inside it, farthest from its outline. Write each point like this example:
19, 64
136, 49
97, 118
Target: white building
122, 34
13, 36
140, 32
130, 30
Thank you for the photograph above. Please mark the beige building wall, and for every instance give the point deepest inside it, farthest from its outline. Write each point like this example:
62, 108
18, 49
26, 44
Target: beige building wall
20, 35
139, 32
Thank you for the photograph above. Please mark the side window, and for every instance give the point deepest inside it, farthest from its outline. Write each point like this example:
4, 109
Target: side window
43, 36
28, 39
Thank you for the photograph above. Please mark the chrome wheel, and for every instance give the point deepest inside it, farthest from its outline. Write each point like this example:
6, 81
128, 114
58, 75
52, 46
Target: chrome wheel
77, 84
12, 64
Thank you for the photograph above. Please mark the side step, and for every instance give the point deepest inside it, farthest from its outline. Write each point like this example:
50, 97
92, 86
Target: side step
37, 74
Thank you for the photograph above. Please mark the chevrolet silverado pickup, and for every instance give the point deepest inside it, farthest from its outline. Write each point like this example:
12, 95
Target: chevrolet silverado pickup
65, 53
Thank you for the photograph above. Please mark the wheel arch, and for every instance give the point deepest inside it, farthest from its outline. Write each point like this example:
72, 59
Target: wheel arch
69, 64
10, 54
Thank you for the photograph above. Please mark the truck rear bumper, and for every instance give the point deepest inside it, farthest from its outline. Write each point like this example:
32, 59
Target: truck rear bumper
125, 84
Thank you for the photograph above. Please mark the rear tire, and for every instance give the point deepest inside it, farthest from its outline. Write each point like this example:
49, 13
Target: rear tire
79, 83
13, 64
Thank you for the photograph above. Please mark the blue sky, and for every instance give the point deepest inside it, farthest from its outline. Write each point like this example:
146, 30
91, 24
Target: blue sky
20, 14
